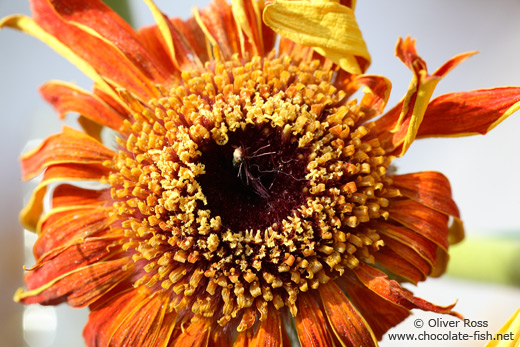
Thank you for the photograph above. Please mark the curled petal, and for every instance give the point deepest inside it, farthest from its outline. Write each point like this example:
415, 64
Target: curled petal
469, 113
70, 146
376, 94
75, 254
310, 323
402, 261
379, 313
67, 98
348, 325
408, 115
327, 26
30, 214
379, 283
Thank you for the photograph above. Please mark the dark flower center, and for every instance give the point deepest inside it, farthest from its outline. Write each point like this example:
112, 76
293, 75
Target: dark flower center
254, 180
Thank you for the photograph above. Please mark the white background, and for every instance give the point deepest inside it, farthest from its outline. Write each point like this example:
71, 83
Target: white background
483, 170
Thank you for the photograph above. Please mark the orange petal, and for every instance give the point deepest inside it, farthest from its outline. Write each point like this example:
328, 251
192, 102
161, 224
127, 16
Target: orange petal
106, 316
469, 113
379, 313
61, 260
248, 319
31, 213
425, 248
423, 220
195, 335
194, 36
79, 287
68, 195
376, 94
269, 333
348, 325
73, 224
180, 54
217, 22
413, 107
402, 261
432, 189
144, 323
310, 323
379, 283
247, 14
66, 98
70, 146
100, 37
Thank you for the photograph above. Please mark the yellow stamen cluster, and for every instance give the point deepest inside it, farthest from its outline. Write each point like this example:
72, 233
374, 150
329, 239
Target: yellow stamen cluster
186, 248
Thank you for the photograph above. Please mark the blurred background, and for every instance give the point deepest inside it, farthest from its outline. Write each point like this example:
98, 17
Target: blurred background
484, 171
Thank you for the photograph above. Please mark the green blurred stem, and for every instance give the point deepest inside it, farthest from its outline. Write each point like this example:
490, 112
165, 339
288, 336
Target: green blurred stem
488, 259
122, 7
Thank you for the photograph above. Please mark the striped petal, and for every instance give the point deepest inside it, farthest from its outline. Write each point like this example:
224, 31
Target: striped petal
144, 324
432, 189
75, 254
327, 26
57, 229
269, 333
79, 287
423, 220
469, 113
310, 323
70, 146
348, 325
98, 35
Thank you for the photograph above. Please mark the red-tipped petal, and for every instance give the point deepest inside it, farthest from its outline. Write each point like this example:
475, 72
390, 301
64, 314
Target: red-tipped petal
379, 88
310, 323
348, 325
469, 113
70, 146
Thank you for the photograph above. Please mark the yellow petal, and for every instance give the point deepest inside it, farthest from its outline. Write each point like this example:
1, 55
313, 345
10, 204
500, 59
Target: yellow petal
508, 335
327, 26
164, 28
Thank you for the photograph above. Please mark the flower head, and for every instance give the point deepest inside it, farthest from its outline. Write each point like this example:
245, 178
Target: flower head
247, 187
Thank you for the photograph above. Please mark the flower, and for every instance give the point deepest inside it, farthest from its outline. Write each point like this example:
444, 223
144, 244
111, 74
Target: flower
247, 186
508, 335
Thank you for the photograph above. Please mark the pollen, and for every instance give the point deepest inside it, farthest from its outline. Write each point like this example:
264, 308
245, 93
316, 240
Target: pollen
248, 182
